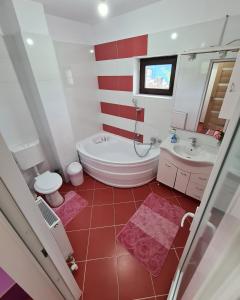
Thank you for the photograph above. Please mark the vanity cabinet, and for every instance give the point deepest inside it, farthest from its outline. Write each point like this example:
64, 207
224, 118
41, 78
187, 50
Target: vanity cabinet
181, 181
168, 172
184, 176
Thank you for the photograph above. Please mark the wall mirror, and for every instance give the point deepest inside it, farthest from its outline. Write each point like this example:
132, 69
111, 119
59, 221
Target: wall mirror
202, 81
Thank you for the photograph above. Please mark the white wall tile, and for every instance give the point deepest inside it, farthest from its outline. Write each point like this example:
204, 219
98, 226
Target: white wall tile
117, 97
115, 67
16, 124
189, 37
81, 97
122, 123
42, 56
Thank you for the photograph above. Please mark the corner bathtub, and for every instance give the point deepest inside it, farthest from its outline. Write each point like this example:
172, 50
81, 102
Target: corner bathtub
112, 160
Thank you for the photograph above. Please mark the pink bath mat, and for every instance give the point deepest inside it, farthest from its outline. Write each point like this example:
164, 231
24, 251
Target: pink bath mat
72, 205
150, 232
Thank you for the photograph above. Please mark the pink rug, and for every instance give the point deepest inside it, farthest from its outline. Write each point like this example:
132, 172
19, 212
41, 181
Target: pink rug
150, 232
72, 205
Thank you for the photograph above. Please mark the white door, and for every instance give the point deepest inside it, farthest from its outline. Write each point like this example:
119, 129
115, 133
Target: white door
18, 206
18, 262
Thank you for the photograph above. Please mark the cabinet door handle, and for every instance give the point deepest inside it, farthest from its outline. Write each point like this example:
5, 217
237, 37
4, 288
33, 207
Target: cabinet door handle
202, 178
167, 165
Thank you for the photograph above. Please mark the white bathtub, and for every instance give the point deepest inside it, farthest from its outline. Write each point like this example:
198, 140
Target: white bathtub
112, 160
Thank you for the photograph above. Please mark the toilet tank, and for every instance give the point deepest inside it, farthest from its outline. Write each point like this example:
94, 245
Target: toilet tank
28, 155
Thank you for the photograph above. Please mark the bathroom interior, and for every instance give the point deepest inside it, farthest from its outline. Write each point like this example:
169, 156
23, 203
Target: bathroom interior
119, 148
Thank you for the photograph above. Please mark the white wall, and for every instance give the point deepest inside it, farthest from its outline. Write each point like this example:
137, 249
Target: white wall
70, 31
164, 15
16, 124
81, 95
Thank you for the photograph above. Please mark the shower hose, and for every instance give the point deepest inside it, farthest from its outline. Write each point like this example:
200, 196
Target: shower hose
135, 141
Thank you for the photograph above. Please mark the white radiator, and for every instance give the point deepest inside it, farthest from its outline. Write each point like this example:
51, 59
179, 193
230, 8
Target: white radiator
56, 227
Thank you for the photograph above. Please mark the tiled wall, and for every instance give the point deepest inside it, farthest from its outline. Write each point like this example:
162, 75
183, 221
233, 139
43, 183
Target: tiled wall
80, 93
116, 68
115, 75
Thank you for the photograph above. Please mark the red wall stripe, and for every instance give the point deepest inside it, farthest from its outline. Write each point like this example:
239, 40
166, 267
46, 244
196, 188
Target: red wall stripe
124, 133
115, 83
135, 46
106, 51
124, 111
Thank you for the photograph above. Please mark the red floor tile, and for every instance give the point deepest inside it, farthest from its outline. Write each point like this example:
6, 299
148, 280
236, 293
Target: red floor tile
66, 187
103, 196
134, 281
123, 195
101, 185
101, 243
162, 190
163, 297
163, 282
87, 195
138, 204
188, 203
81, 221
79, 274
141, 193
120, 250
182, 236
88, 184
102, 216
179, 252
123, 212
79, 241
101, 280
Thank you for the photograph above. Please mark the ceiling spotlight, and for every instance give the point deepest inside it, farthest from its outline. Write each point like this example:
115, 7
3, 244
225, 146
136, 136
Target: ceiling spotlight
174, 35
30, 42
91, 51
103, 9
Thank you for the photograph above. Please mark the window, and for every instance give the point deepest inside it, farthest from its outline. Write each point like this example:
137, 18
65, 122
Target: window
157, 75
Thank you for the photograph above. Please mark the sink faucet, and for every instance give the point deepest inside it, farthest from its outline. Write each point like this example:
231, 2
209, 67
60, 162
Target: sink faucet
193, 141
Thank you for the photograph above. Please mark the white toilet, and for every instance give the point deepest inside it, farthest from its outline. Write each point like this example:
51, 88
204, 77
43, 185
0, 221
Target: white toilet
48, 183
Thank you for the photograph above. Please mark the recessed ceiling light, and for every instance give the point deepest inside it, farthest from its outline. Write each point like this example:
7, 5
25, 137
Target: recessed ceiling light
174, 36
103, 9
30, 42
91, 51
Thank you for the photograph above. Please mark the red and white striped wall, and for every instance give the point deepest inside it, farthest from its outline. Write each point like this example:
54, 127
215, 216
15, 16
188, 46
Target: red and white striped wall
115, 65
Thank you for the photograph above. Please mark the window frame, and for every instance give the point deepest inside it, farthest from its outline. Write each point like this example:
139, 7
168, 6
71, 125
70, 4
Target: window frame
162, 60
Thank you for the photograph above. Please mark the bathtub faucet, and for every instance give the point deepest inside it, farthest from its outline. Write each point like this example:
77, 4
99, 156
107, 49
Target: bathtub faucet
154, 140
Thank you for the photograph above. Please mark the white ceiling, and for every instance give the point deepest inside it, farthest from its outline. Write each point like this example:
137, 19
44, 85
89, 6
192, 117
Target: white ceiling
86, 10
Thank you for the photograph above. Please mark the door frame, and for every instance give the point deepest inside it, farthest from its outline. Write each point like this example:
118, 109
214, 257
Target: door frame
23, 215
199, 215
212, 62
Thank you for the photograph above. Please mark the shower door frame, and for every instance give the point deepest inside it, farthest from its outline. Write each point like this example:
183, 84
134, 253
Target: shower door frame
199, 214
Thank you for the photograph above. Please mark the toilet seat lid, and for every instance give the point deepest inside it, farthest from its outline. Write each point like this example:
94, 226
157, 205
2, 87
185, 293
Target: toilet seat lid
48, 183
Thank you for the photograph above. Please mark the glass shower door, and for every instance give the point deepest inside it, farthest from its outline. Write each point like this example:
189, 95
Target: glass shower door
215, 251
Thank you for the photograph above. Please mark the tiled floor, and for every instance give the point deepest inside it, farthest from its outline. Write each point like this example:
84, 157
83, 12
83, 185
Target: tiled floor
106, 270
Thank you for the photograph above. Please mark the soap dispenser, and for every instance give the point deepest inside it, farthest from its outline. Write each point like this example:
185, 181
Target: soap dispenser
173, 136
